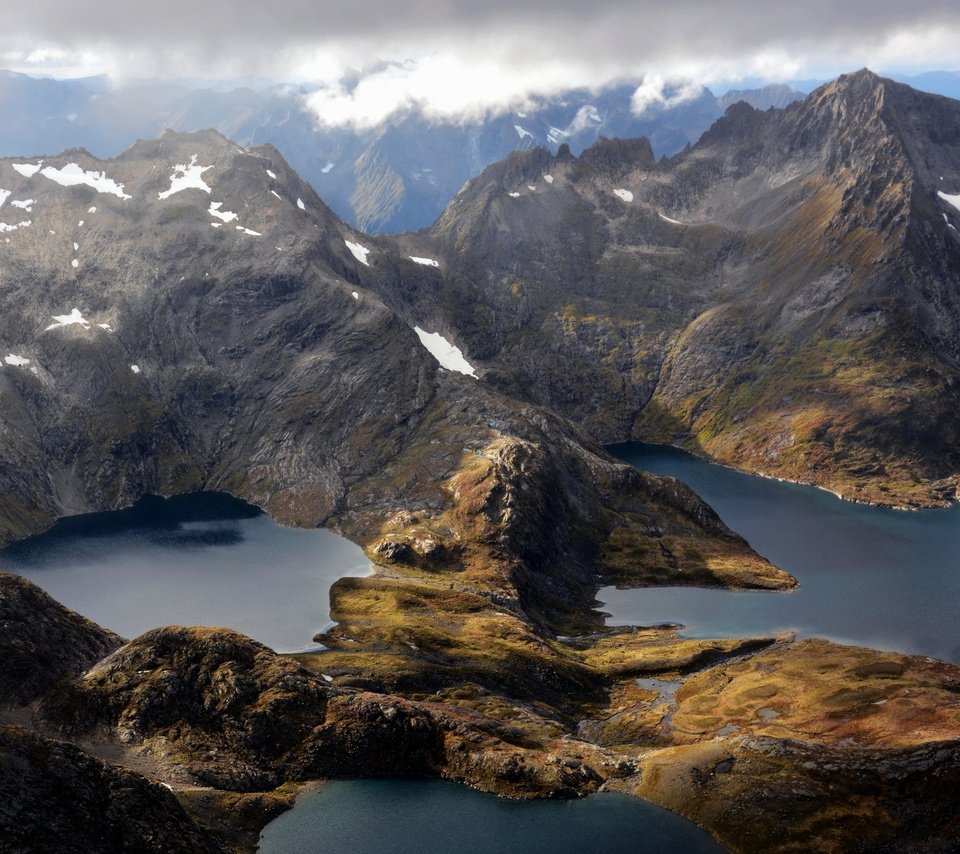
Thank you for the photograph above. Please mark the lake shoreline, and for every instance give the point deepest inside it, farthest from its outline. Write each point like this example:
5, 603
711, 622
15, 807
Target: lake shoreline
933, 505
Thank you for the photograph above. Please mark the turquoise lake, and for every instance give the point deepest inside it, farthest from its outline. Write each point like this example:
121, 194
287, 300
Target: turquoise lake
871, 576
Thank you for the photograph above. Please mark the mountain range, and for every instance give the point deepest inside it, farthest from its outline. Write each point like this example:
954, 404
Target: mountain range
397, 175
782, 296
190, 315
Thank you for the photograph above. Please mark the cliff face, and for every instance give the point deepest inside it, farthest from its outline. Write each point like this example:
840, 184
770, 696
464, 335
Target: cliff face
783, 296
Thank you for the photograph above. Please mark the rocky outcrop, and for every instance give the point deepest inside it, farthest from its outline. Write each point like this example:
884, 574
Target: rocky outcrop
54, 797
215, 702
43, 642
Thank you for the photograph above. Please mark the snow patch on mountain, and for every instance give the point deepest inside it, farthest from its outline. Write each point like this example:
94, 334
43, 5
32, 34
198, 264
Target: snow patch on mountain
16, 361
187, 176
72, 175
4, 227
23, 204
950, 200
4, 195
224, 216
548, 178
427, 262
28, 170
359, 252
522, 132
449, 356
666, 218
626, 195
75, 317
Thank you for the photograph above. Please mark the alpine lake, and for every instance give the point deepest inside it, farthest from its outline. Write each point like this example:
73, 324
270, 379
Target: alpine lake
868, 576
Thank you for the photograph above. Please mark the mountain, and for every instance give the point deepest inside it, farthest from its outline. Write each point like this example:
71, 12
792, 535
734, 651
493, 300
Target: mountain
777, 95
936, 82
396, 176
56, 797
784, 296
406, 170
43, 642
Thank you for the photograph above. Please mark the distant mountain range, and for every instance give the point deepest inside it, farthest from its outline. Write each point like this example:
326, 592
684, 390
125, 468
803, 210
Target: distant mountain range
396, 176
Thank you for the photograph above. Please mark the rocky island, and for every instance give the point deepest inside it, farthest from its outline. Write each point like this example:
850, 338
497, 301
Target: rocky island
190, 317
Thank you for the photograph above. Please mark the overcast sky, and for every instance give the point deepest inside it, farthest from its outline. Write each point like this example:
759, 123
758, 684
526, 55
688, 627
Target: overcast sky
456, 56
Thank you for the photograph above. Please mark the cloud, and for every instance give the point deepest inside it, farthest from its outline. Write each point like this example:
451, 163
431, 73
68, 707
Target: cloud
654, 91
460, 57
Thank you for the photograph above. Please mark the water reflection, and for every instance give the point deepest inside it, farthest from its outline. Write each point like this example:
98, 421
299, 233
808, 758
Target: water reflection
200, 559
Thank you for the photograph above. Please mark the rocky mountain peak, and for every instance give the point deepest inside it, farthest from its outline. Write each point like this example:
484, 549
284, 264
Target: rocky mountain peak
850, 99
615, 156
858, 81
740, 121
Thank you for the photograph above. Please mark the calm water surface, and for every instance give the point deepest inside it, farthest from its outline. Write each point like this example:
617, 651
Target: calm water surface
872, 576
432, 817
197, 560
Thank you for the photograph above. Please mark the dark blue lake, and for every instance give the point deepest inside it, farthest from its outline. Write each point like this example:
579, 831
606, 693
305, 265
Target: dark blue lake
196, 560
868, 575
433, 817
